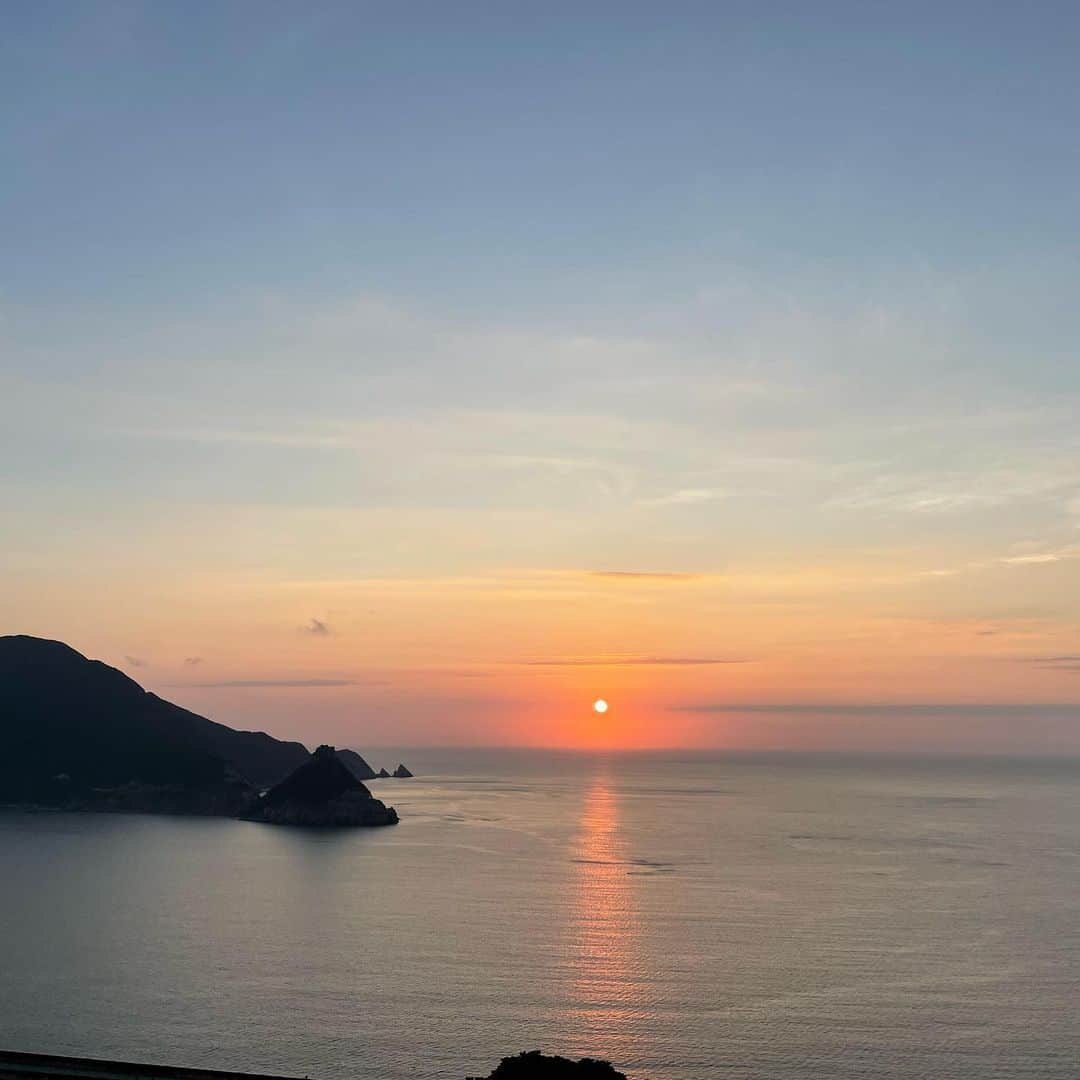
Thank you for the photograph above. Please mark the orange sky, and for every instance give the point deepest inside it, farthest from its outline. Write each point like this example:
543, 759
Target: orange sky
765, 655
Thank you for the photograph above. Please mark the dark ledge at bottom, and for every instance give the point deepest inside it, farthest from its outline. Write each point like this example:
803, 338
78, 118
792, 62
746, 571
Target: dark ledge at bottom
16, 1066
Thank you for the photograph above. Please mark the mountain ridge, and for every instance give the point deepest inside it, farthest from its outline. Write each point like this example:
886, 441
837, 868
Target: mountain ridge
79, 732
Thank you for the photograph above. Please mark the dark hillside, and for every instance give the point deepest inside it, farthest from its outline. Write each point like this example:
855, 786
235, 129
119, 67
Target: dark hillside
72, 725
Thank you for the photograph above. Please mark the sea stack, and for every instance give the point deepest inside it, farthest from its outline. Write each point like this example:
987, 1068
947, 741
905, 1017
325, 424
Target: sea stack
356, 765
321, 792
402, 773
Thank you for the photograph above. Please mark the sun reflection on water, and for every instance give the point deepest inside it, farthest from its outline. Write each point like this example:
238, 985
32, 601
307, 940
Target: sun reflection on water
608, 1006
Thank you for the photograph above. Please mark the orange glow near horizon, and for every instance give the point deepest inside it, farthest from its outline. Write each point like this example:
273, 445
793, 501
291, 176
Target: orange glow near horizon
369, 662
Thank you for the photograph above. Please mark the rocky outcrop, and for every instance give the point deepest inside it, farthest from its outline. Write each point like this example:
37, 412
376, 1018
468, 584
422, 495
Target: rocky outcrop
321, 792
536, 1066
402, 773
356, 765
382, 775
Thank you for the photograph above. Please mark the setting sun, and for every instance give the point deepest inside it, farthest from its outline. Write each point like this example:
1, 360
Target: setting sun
600, 705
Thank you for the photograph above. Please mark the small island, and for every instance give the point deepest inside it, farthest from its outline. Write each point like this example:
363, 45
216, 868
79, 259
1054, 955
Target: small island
321, 792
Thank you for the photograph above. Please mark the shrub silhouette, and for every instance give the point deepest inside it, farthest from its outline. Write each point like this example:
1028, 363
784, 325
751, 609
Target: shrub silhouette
533, 1065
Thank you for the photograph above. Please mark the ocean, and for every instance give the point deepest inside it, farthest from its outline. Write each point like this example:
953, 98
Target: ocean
684, 915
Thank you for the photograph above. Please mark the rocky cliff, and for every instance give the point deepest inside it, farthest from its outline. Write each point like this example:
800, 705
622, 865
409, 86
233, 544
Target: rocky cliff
321, 792
356, 764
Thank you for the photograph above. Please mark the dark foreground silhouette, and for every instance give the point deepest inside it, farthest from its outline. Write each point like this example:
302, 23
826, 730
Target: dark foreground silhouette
22, 1066
76, 734
536, 1066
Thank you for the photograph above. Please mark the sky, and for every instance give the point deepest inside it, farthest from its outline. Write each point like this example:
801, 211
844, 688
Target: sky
415, 374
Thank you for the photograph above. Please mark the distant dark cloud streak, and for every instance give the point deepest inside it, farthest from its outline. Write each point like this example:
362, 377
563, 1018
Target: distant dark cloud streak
916, 709
637, 661
1052, 663
228, 684
644, 575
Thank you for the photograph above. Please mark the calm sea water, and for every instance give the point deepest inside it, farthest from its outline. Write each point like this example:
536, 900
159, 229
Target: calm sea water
774, 918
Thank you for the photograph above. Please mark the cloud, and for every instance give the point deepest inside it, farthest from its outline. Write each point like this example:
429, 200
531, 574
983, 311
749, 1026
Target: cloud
914, 709
644, 575
192, 661
1064, 659
232, 684
135, 661
939, 492
1052, 663
686, 497
316, 628
1035, 558
635, 661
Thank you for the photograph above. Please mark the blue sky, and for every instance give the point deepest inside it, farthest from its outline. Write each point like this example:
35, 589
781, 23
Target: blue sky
398, 293
172, 150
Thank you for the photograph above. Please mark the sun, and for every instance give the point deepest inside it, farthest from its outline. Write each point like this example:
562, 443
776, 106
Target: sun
600, 705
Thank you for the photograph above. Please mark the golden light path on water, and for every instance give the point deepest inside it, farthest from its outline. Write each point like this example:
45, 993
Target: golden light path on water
608, 999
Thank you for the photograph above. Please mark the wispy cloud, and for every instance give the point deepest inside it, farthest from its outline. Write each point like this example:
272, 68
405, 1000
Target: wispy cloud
957, 492
635, 661
135, 661
645, 575
316, 628
234, 684
686, 497
192, 661
1053, 663
1030, 558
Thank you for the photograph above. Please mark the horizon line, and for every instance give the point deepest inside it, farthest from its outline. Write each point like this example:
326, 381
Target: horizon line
742, 750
